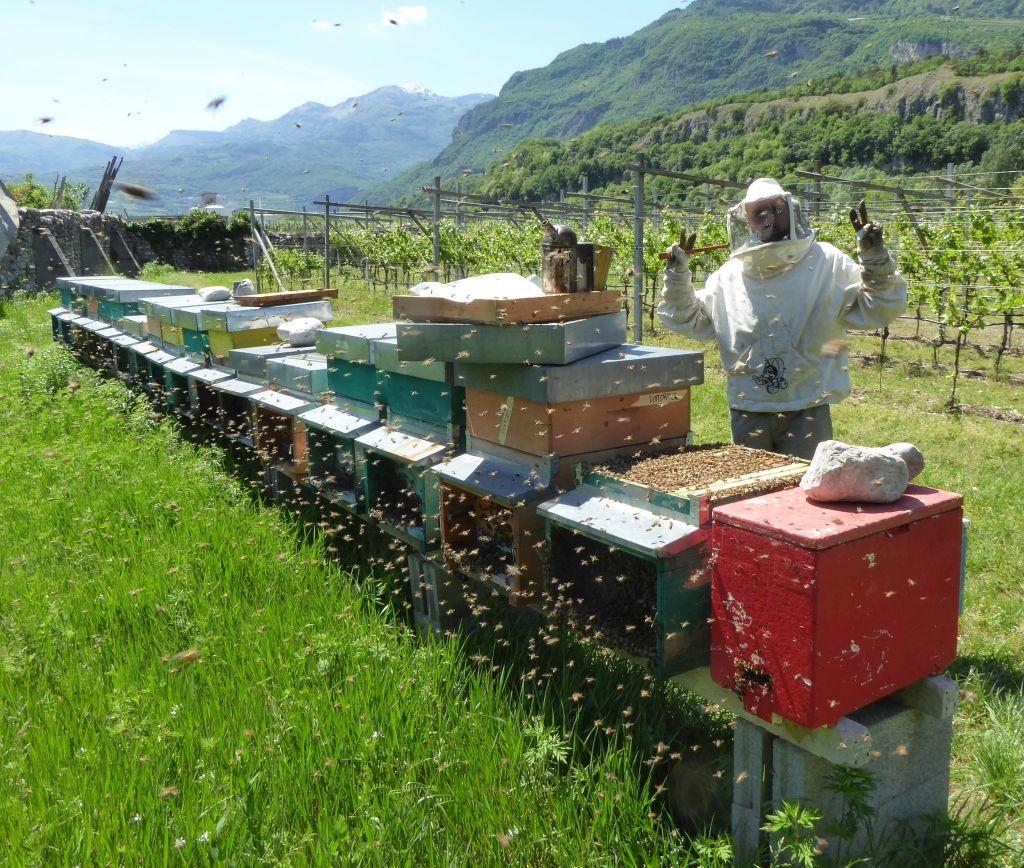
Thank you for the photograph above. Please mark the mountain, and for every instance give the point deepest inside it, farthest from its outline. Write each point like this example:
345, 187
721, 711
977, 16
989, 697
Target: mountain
22, 151
285, 163
911, 119
709, 49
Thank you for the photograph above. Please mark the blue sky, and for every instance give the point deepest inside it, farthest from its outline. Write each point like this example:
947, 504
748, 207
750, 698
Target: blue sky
125, 72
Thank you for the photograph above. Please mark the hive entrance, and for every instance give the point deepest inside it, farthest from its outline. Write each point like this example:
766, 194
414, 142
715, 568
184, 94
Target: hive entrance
605, 594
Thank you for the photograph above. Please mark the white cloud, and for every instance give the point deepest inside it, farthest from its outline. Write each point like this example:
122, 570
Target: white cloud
404, 15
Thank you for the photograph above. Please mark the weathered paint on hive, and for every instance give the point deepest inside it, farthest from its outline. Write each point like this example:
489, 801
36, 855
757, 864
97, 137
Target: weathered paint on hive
865, 606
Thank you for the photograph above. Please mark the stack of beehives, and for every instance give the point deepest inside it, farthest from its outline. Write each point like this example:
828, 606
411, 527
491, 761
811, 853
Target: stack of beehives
548, 381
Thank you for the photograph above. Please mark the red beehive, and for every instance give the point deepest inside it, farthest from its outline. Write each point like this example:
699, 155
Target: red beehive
820, 609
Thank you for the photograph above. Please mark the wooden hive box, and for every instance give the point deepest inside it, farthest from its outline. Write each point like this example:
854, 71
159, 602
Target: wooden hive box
117, 297
134, 325
351, 361
558, 343
304, 373
578, 426
151, 373
331, 433
437, 596
279, 436
64, 320
234, 326
250, 363
176, 394
400, 496
542, 308
204, 405
353, 343
121, 346
420, 390
137, 353
820, 609
490, 529
234, 416
634, 579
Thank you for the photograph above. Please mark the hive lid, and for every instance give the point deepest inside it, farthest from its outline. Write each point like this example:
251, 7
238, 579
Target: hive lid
161, 306
144, 348
509, 483
124, 340
557, 343
236, 318
624, 525
407, 448
283, 402
385, 357
125, 291
181, 366
335, 420
54, 311
353, 343
789, 516
161, 357
623, 370
241, 388
109, 332
208, 375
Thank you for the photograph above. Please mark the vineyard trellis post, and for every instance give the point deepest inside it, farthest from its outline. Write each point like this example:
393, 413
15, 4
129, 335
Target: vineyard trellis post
638, 250
327, 241
437, 221
586, 202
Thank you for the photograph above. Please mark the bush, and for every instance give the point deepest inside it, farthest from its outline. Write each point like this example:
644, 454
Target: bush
29, 193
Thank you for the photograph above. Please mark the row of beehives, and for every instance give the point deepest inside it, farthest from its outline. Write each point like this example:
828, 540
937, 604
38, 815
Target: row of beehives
519, 476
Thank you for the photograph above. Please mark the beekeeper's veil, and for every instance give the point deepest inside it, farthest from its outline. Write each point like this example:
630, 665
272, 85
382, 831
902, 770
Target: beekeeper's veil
767, 205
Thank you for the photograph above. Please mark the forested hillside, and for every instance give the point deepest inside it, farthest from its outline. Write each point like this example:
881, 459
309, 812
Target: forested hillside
926, 116
709, 50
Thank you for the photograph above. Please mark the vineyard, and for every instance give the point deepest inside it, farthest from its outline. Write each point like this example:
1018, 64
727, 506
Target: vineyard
965, 267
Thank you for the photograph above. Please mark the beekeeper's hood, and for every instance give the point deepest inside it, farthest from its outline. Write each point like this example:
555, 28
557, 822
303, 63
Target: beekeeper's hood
768, 231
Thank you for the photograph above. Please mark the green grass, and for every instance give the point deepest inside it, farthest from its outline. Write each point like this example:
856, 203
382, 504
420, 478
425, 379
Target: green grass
314, 727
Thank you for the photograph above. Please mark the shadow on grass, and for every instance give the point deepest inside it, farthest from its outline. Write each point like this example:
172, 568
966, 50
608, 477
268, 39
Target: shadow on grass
1001, 676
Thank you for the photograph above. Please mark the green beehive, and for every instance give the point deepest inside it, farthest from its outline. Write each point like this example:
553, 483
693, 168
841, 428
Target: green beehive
305, 373
420, 390
356, 381
331, 433
176, 374
400, 495
639, 577
426, 400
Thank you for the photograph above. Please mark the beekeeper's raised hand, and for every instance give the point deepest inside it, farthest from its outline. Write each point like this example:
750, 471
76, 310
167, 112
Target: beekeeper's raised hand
870, 243
678, 255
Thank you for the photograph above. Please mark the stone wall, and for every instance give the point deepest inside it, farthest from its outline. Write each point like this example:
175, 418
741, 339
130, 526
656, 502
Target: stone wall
52, 242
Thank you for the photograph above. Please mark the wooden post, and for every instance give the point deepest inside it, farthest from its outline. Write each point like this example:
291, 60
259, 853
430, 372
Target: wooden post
305, 231
252, 232
327, 242
638, 251
586, 202
437, 220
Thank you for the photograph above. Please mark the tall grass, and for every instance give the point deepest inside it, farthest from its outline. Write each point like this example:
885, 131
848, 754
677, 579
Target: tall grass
185, 677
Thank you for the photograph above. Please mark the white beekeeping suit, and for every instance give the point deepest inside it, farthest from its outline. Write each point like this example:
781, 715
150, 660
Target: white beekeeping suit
780, 306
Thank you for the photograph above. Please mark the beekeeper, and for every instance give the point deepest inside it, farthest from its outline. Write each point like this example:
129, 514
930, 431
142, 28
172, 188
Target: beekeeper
779, 309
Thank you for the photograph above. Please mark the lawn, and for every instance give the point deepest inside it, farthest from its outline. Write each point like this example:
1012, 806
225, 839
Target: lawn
186, 675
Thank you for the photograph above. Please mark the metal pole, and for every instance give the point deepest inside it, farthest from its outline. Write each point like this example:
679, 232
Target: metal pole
437, 220
327, 242
638, 252
949, 185
305, 231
